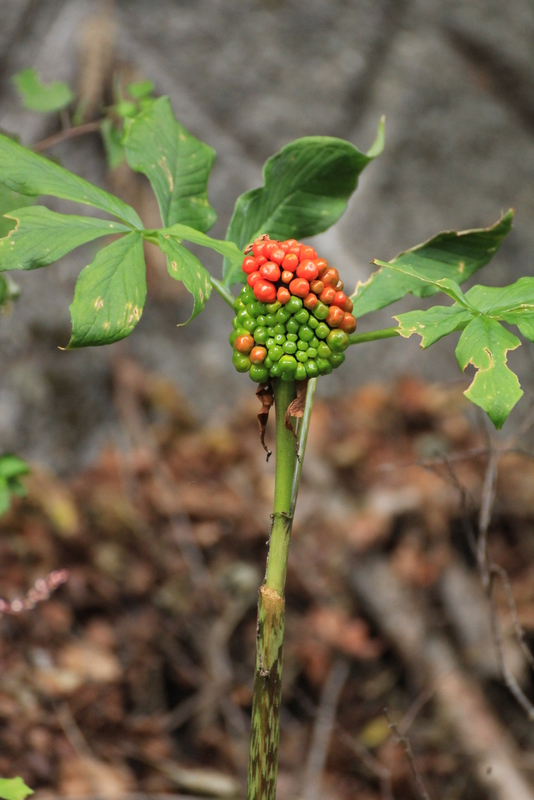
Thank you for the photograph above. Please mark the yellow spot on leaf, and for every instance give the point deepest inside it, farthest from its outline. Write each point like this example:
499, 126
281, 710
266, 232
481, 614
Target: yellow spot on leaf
99, 302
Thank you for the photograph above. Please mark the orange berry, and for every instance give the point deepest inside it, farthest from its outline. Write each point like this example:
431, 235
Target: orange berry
258, 355
283, 295
244, 343
349, 323
335, 316
299, 287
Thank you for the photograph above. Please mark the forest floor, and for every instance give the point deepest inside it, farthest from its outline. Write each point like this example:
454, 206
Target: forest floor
135, 677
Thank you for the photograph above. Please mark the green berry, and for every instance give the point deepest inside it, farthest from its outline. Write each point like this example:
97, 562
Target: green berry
294, 304
275, 353
292, 337
302, 316
270, 342
289, 347
280, 328
282, 315
322, 330
312, 322
302, 345
300, 372
292, 326
320, 311
311, 368
261, 319
268, 362
249, 323
323, 351
315, 343
338, 341
240, 362
337, 359
272, 308
279, 339
301, 355
312, 352
275, 371
261, 335
270, 320
305, 333
324, 366
288, 365
258, 373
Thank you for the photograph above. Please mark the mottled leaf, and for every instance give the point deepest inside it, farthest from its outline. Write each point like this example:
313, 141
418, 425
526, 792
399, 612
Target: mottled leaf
451, 254
10, 200
184, 266
484, 343
433, 324
39, 96
110, 294
32, 174
42, 236
306, 189
175, 162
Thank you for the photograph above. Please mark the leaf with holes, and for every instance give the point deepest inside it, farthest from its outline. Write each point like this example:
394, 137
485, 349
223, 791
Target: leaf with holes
184, 266
433, 324
484, 343
175, 162
42, 236
451, 254
307, 188
110, 294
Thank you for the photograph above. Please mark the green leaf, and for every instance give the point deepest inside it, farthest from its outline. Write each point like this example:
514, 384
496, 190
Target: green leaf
307, 187
9, 291
110, 294
445, 285
11, 469
31, 174
10, 200
451, 254
495, 388
175, 162
38, 96
184, 266
227, 249
140, 90
12, 466
14, 789
42, 236
112, 138
433, 324
517, 298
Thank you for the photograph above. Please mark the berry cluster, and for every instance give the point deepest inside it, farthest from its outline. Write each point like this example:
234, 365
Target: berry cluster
292, 317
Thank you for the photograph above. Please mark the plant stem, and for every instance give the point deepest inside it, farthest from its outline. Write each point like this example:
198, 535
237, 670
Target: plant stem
225, 293
67, 133
263, 762
373, 336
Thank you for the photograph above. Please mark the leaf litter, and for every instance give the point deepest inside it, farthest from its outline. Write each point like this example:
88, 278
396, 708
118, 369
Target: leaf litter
136, 674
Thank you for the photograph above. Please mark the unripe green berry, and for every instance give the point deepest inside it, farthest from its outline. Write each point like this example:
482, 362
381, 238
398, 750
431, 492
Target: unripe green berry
312, 322
300, 372
337, 359
311, 369
275, 353
322, 330
320, 311
301, 355
292, 337
323, 351
240, 362
305, 333
289, 347
294, 304
292, 326
338, 341
302, 316
258, 373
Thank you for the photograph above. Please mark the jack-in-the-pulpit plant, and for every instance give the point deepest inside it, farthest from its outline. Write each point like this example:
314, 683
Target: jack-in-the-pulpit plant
293, 319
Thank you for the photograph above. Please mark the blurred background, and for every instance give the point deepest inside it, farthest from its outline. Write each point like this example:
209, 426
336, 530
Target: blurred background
135, 676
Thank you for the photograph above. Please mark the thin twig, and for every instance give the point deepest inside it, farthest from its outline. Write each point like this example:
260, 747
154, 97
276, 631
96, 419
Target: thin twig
322, 731
67, 133
405, 742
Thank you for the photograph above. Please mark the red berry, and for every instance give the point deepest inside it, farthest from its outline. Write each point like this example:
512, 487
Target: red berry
265, 291
310, 301
330, 277
295, 249
259, 247
322, 264
340, 299
283, 295
307, 252
327, 295
290, 262
252, 278
250, 264
270, 271
349, 323
270, 247
244, 344
258, 355
335, 316
348, 305
278, 255
287, 276
307, 269
284, 246
299, 287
